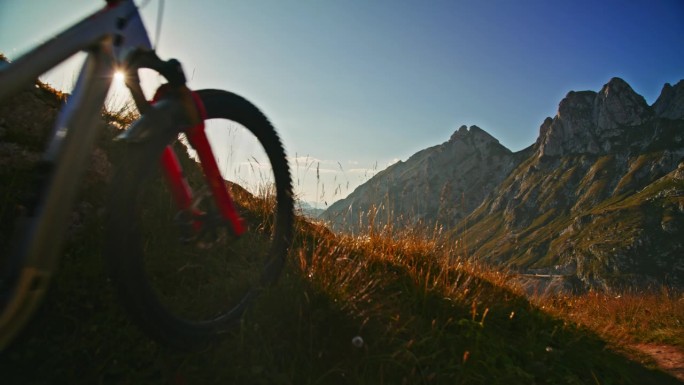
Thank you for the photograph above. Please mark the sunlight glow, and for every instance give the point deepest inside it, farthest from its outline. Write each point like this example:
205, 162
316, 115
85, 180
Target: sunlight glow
119, 77
118, 96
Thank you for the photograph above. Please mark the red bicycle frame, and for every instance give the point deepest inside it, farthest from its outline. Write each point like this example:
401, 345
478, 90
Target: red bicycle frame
180, 189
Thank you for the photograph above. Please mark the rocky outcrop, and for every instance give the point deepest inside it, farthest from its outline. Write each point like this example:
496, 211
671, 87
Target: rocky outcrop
590, 123
617, 105
670, 104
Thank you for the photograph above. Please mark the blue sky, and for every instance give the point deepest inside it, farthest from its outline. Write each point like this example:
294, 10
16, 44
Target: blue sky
366, 82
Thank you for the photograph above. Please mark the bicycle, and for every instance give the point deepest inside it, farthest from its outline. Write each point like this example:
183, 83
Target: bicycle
154, 212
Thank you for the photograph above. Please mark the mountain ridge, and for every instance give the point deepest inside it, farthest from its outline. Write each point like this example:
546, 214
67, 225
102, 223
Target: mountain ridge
458, 159
588, 169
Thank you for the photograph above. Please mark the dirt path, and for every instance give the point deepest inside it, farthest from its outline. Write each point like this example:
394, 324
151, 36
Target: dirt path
669, 358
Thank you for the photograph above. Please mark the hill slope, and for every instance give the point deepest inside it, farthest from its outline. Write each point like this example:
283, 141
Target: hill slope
420, 319
597, 198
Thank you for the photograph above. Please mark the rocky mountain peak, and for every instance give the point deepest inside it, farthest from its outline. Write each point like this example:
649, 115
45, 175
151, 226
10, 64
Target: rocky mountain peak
570, 128
460, 133
575, 103
425, 187
474, 136
670, 103
590, 122
618, 105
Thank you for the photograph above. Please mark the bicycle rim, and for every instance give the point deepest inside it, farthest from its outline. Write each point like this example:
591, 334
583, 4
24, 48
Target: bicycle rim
186, 287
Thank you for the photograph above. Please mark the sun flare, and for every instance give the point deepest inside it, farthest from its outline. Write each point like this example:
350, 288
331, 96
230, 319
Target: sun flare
118, 95
119, 77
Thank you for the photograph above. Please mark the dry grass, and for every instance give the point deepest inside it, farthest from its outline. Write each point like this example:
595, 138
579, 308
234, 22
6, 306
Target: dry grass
423, 312
388, 307
622, 318
628, 317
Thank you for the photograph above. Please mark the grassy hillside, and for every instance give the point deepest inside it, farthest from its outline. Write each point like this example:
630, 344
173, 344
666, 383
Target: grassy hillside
376, 309
420, 320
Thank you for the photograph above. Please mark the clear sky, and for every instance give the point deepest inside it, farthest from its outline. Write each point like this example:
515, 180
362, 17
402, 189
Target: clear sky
356, 83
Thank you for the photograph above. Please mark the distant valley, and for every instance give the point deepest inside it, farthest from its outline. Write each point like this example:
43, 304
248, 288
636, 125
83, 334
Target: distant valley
309, 209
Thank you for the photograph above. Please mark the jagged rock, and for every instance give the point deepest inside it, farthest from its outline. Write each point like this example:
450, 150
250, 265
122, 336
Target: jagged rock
617, 105
670, 103
571, 130
593, 123
459, 134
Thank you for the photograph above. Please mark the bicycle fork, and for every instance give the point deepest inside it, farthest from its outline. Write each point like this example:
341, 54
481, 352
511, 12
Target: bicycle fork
163, 115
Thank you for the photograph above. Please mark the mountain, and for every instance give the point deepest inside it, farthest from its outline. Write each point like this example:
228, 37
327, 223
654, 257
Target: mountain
600, 199
597, 201
308, 209
439, 185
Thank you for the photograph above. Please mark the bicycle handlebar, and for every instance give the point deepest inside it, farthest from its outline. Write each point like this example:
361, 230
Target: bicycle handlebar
170, 69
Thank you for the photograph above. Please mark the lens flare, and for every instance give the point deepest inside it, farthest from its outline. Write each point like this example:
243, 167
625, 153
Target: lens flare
119, 76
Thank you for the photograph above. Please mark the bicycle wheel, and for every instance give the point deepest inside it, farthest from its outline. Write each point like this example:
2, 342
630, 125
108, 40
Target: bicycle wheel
184, 290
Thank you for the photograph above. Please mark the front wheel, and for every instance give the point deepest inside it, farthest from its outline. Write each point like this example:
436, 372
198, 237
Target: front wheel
185, 287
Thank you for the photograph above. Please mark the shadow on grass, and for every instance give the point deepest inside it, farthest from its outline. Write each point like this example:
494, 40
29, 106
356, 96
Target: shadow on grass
301, 331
